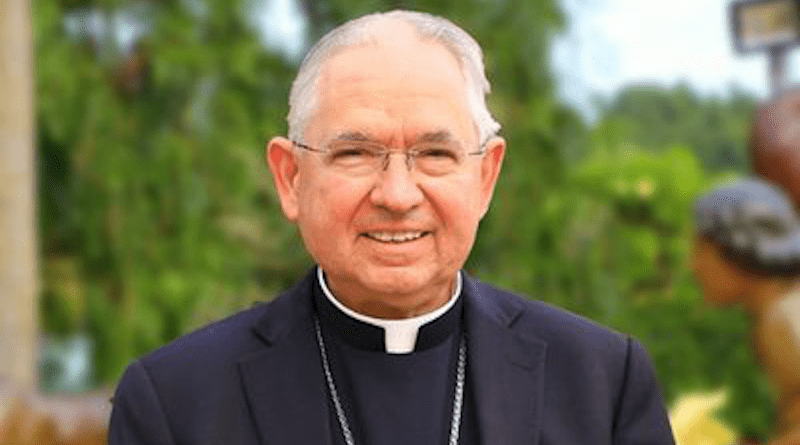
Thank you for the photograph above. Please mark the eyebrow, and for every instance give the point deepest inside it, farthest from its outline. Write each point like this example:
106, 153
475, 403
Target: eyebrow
436, 136
430, 136
352, 136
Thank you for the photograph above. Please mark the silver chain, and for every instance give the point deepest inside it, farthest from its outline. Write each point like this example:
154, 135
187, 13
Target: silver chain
458, 398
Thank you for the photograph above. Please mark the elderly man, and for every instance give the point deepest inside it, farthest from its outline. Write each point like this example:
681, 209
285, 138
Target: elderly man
390, 164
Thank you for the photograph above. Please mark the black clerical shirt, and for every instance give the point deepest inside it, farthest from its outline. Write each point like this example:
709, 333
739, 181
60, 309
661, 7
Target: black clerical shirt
390, 398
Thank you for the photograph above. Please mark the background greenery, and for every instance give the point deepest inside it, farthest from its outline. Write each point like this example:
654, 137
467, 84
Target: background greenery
157, 213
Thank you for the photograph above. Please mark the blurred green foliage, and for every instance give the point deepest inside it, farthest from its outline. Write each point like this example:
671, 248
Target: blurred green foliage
657, 118
157, 214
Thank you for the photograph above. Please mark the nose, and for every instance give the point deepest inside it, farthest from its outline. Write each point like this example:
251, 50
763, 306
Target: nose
396, 189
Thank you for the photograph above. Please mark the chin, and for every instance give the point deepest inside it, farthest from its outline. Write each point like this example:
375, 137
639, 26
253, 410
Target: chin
407, 280
397, 281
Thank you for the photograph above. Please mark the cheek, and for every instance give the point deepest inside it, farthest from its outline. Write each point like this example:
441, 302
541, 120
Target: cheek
459, 209
329, 205
470, 203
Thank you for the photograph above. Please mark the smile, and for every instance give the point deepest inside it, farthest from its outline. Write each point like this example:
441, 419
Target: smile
395, 237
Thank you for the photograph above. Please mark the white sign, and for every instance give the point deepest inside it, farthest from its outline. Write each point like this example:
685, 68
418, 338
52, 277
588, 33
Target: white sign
765, 24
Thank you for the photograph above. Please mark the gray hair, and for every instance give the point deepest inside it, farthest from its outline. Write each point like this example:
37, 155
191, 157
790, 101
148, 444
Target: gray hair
754, 224
304, 97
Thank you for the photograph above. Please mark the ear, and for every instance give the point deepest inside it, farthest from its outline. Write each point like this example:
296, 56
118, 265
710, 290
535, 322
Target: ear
490, 170
283, 165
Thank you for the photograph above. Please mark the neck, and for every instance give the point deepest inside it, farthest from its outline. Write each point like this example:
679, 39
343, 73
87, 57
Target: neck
398, 335
398, 306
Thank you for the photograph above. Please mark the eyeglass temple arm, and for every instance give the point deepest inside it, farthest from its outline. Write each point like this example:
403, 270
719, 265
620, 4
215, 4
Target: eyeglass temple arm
306, 147
481, 148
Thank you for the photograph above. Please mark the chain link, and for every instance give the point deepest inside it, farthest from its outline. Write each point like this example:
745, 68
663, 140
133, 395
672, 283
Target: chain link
458, 397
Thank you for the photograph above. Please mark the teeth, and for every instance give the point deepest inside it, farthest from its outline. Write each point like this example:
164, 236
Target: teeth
396, 237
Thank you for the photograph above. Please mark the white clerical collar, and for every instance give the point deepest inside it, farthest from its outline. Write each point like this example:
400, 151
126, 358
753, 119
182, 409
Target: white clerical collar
400, 336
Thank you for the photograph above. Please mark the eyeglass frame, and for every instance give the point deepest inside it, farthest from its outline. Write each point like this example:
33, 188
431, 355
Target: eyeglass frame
410, 155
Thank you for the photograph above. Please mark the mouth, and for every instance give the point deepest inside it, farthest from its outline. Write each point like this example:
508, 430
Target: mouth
396, 237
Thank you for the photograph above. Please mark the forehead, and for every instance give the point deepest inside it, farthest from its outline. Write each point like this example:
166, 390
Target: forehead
390, 85
400, 50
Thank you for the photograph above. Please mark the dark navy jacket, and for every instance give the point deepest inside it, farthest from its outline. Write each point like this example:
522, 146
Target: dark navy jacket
540, 375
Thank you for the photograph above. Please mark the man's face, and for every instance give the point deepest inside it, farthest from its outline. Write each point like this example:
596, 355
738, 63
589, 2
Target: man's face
391, 242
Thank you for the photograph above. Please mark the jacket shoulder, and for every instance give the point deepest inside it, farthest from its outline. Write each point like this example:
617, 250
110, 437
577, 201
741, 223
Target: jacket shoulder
225, 341
558, 327
226, 336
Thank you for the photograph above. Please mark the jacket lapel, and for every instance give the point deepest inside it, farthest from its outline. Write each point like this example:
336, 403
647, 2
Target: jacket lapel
284, 382
285, 387
507, 370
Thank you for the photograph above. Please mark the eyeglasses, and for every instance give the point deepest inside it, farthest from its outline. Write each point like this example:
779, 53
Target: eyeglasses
364, 158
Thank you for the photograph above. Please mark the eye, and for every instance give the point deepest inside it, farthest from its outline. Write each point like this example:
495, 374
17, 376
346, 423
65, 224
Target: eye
437, 160
438, 153
352, 155
348, 152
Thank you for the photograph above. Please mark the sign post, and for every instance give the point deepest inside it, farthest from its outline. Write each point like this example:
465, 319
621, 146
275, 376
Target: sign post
771, 26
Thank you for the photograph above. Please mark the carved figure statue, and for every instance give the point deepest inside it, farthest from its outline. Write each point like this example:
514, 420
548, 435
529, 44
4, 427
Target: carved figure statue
747, 252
